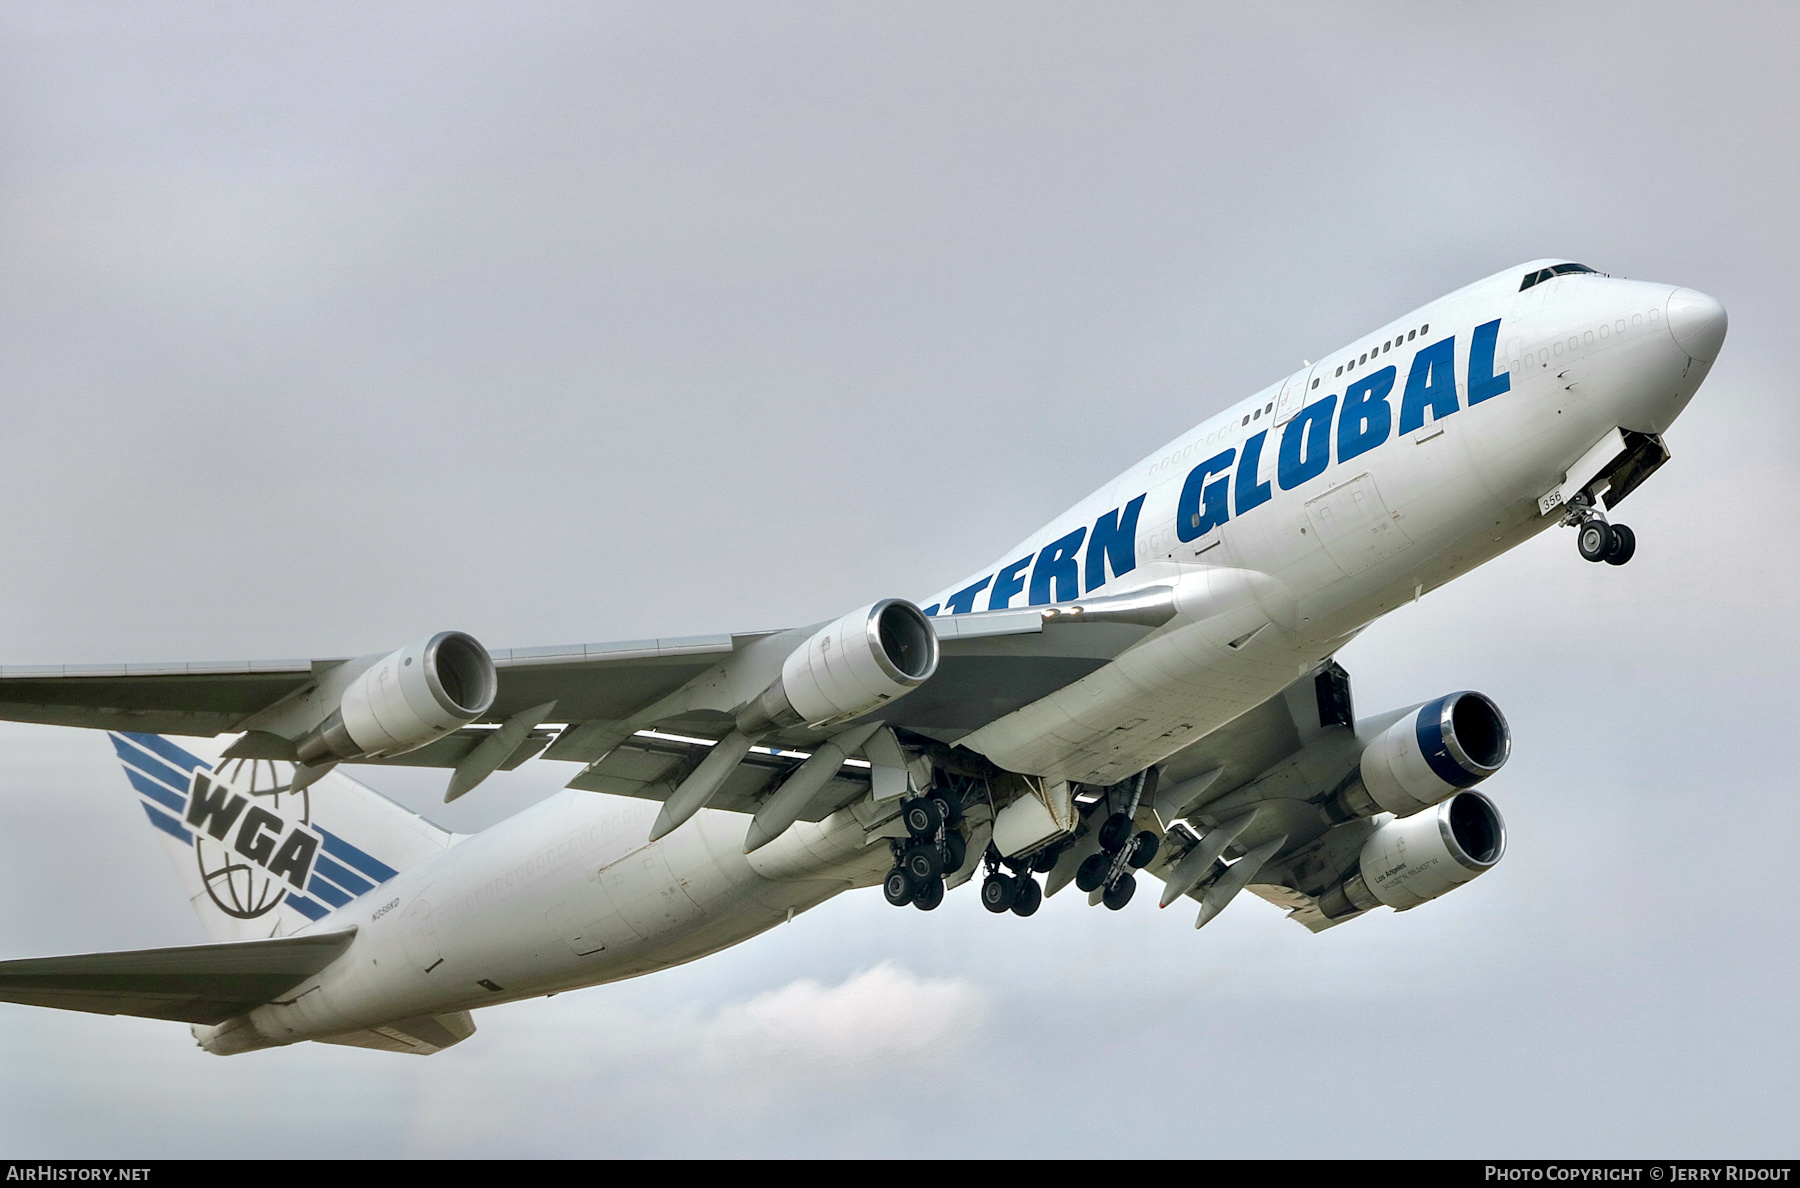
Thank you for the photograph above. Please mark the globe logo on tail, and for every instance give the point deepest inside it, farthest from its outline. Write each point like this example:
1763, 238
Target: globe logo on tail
253, 838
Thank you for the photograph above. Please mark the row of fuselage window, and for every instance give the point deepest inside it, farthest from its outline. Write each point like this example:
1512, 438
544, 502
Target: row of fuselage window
1352, 365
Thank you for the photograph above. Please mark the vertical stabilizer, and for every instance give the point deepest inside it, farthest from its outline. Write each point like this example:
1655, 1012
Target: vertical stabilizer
256, 859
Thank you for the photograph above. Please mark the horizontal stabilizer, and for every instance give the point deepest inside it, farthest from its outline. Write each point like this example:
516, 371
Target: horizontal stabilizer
196, 984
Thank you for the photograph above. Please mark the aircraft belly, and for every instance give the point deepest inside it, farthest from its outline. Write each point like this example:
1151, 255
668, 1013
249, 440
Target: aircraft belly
1161, 695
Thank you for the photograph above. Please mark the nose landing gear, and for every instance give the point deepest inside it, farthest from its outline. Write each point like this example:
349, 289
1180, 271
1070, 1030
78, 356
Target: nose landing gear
1597, 540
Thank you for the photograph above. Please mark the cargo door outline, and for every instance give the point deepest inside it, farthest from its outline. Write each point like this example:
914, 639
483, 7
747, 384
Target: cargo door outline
421, 936
646, 893
590, 920
1354, 526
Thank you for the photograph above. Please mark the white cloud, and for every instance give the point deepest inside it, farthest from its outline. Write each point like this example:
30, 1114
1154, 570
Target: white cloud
608, 1072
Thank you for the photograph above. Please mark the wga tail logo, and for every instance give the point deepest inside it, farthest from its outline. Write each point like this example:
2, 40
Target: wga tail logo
252, 837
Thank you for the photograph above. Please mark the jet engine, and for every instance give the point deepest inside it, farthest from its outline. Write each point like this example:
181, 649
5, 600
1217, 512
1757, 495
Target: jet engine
1410, 860
848, 668
405, 700
1433, 752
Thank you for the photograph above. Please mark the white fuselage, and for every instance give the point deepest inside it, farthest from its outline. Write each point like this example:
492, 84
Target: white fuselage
1275, 566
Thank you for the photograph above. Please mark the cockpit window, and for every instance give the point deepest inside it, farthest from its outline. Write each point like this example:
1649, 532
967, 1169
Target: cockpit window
1544, 274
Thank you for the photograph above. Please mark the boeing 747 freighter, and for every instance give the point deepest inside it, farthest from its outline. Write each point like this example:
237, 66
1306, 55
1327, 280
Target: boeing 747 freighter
1145, 686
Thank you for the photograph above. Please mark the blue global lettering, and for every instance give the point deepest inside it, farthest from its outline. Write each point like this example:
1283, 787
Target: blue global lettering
1202, 504
1057, 564
1007, 582
1056, 575
1483, 383
1363, 420
1251, 493
1306, 444
1114, 541
1232, 481
1431, 384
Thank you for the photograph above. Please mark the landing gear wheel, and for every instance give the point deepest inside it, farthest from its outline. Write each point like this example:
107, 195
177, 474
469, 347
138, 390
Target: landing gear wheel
956, 851
999, 892
1119, 894
929, 895
922, 864
922, 817
949, 806
1092, 871
1030, 896
1114, 832
1623, 546
1044, 861
1595, 540
897, 887
1143, 850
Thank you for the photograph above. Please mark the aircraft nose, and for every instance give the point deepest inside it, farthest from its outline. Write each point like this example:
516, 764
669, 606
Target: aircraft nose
1698, 323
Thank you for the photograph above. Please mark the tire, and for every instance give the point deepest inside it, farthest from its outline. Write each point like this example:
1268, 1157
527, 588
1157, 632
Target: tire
1624, 545
1044, 861
949, 806
1092, 871
1119, 894
929, 895
922, 817
956, 852
1029, 898
1143, 850
898, 887
1595, 540
1114, 832
922, 864
998, 892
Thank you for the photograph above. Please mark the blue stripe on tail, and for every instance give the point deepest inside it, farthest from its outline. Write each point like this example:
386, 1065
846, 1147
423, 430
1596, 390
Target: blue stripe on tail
168, 750
306, 907
154, 768
336, 846
168, 825
343, 878
156, 791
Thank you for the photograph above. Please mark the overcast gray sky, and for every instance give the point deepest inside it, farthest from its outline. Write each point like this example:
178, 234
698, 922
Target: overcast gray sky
325, 326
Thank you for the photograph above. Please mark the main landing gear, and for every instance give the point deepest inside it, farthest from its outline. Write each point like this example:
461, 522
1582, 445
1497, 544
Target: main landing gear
1599, 541
1121, 852
1017, 892
934, 848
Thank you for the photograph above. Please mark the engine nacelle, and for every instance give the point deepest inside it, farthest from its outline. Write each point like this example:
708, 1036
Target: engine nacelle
848, 668
1410, 860
1433, 752
405, 700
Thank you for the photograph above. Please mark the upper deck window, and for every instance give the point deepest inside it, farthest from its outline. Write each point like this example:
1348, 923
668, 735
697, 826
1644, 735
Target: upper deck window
1544, 274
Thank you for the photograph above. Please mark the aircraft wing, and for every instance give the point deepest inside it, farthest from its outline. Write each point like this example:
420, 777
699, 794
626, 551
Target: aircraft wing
196, 984
607, 693
991, 663
605, 680
1246, 779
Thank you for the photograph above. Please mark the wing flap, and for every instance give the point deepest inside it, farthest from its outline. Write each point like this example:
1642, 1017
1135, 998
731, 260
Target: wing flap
452, 749
650, 766
195, 984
